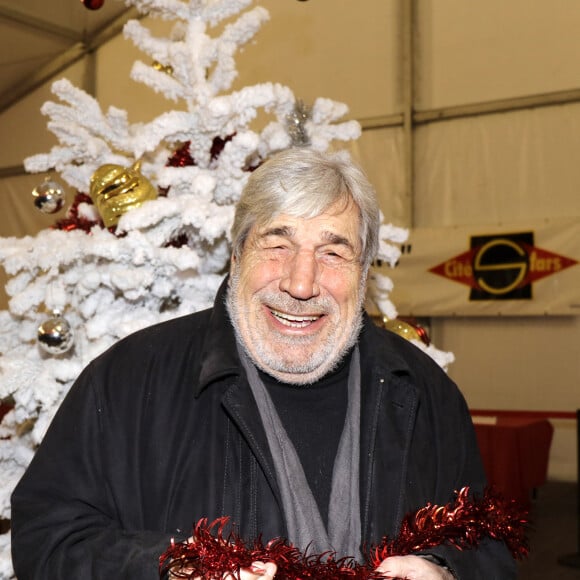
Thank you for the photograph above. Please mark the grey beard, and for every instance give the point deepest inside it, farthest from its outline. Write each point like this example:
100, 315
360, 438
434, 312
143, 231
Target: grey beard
323, 361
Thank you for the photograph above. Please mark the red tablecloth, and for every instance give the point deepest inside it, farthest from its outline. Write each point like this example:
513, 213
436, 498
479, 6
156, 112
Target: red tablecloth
515, 454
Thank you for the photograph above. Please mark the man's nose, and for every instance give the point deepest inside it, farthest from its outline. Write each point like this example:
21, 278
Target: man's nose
300, 278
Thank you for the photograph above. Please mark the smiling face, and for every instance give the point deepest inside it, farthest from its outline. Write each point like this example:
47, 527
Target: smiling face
297, 291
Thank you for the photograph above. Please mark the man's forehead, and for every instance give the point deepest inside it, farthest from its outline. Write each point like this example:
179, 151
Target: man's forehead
338, 216
327, 225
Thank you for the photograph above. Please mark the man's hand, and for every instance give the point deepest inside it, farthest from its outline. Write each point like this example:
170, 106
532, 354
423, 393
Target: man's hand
412, 568
256, 571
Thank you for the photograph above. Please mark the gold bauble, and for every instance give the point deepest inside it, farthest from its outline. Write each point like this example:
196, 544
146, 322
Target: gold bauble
115, 190
406, 330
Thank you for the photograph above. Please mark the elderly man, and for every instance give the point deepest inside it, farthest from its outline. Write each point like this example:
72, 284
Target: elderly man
282, 407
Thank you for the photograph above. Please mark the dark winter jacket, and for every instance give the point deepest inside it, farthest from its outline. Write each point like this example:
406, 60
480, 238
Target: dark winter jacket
162, 430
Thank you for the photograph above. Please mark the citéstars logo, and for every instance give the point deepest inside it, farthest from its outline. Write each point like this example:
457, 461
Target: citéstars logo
502, 266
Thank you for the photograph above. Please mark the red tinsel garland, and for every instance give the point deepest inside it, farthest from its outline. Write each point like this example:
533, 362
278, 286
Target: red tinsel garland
461, 524
74, 221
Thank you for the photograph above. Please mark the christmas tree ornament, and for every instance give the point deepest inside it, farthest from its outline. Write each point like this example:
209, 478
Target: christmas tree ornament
296, 124
218, 144
93, 4
115, 190
181, 157
406, 329
55, 335
166, 68
462, 524
48, 196
73, 219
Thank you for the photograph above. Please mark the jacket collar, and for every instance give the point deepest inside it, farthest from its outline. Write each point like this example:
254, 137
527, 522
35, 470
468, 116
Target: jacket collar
219, 357
383, 348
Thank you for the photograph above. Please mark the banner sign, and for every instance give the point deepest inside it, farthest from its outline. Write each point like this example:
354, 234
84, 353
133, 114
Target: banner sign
512, 269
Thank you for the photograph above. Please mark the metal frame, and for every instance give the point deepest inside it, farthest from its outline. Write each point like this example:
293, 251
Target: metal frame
82, 47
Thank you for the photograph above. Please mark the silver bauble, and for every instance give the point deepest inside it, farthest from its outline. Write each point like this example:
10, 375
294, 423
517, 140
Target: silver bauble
55, 335
48, 196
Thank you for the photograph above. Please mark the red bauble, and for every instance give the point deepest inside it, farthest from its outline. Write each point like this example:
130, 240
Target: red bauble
93, 4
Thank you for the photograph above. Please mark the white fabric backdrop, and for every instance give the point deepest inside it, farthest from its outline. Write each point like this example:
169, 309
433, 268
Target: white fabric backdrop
496, 168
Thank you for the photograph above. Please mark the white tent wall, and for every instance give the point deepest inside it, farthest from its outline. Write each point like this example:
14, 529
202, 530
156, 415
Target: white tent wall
475, 52
478, 166
326, 48
498, 168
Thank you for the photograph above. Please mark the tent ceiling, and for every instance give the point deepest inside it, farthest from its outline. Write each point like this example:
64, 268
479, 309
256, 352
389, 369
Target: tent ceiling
39, 38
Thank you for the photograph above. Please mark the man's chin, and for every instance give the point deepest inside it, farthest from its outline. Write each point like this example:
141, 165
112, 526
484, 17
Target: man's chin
297, 370
296, 378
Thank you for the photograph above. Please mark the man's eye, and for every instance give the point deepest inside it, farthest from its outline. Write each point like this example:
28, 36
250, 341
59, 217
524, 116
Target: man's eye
332, 255
274, 247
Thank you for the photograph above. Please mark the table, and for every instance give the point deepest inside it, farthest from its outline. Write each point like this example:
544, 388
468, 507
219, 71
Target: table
515, 453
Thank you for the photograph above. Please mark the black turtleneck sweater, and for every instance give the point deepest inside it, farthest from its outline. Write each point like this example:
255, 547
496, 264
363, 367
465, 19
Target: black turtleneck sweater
313, 416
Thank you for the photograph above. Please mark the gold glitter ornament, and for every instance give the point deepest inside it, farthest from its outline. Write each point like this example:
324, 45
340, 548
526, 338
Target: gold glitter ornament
115, 190
406, 329
166, 68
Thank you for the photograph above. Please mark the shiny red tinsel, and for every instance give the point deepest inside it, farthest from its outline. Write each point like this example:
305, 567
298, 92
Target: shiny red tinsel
181, 157
462, 524
73, 220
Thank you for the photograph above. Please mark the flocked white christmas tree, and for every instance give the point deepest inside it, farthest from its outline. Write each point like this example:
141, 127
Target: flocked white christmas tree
77, 288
